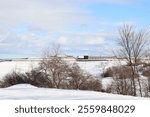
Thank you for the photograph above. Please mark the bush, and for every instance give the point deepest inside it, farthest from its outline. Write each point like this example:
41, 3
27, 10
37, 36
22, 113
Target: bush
122, 81
146, 65
76, 79
13, 79
94, 85
38, 78
108, 73
33, 77
146, 73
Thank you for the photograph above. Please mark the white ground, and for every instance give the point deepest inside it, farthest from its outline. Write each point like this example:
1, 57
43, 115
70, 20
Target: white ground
30, 92
26, 91
20, 66
93, 67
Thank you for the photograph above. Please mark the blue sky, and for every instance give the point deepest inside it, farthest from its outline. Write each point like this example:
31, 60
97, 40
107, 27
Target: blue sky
81, 27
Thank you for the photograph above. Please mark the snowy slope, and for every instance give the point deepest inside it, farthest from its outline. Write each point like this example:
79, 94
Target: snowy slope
26, 91
93, 67
20, 66
96, 67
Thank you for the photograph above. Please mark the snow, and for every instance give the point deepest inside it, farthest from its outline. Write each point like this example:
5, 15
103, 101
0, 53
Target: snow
96, 67
19, 66
27, 91
21, 86
93, 67
106, 82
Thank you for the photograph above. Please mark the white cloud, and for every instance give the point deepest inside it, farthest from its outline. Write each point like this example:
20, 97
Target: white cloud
95, 41
63, 41
53, 16
84, 40
47, 14
12, 43
75, 39
28, 43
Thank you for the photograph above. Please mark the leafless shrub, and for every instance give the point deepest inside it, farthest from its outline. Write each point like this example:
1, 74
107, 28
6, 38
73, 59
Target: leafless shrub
122, 83
110, 89
147, 74
146, 87
76, 77
13, 79
94, 85
32, 77
37, 78
121, 86
146, 65
107, 73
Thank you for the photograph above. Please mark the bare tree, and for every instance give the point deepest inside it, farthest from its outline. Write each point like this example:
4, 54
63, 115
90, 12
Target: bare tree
77, 77
132, 47
53, 65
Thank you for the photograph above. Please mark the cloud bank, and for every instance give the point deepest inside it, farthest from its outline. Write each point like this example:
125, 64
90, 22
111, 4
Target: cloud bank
27, 26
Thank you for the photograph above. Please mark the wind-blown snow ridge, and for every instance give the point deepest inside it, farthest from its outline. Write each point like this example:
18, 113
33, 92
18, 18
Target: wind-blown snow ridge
21, 86
29, 92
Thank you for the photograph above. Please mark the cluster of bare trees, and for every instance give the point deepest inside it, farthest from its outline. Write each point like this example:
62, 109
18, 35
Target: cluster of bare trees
66, 75
133, 46
122, 83
54, 72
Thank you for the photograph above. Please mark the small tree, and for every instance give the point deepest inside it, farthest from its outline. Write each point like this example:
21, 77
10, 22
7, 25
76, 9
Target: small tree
53, 65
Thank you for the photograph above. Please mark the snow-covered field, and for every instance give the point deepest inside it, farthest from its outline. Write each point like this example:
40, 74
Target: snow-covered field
20, 66
93, 67
26, 91
96, 67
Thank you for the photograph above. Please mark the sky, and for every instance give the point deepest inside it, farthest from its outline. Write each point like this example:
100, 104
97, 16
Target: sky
81, 27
